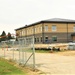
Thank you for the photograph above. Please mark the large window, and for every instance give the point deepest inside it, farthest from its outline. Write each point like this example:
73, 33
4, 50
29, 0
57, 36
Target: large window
54, 28
46, 28
46, 39
35, 39
41, 39
54, 38
74, 28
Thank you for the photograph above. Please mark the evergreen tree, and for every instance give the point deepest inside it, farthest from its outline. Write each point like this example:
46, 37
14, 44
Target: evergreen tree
9, 36
3, 36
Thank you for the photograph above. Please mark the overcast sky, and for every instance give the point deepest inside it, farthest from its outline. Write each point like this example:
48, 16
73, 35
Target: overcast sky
17, 13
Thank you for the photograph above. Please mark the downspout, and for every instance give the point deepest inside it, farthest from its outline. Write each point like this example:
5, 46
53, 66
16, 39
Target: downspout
43, 32
34, 33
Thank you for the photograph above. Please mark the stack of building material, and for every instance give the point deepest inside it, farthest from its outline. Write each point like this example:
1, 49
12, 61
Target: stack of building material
61, 46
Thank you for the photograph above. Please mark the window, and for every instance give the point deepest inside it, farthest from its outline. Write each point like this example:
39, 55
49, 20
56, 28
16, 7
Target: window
46, 28
27, 31
35, 39
20, 33
46, 39
54, 28
32, 31
23, 32
41, 28
41, 39
54, 38
74, 28
35, 29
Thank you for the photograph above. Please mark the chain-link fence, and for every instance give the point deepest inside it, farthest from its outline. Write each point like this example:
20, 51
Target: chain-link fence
21, 51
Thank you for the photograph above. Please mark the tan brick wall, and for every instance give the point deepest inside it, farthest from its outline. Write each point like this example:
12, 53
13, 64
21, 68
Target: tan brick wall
38, 28
70, 27
61, 27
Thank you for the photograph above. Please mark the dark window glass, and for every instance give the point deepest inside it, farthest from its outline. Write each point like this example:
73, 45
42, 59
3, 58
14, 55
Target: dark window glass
35, 39
41, 39
46, 39
54, 38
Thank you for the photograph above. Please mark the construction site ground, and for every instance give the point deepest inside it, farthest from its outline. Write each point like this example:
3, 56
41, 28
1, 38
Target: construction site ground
52, 63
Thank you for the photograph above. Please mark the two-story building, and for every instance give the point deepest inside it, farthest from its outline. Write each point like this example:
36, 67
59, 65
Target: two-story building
53, 30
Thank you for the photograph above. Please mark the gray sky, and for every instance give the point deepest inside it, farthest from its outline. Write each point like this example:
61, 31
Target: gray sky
17, 13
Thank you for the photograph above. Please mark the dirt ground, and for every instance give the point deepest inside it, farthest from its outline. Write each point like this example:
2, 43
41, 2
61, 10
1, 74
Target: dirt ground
57, 63
52, 63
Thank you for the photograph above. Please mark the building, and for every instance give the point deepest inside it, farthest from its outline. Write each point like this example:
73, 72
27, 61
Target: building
53, 30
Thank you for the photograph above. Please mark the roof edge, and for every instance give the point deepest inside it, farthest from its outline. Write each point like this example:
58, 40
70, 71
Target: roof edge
43, 21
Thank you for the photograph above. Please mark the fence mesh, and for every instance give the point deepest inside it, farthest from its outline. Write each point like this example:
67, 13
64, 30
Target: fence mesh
21, 51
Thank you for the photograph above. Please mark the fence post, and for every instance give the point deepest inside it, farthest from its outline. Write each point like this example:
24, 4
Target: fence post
33, 55
4, 53
23, 51
19, 52
13, 49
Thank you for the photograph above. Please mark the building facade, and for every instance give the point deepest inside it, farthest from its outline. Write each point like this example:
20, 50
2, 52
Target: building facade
54, 30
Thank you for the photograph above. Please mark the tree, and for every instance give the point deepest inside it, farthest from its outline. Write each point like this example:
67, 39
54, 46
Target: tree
3, 36
9, 36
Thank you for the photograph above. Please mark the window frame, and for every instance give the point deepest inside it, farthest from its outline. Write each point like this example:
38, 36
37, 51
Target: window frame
35, 29
46, 39
54, 28
41, 39
46, 28
54, 38
74, 28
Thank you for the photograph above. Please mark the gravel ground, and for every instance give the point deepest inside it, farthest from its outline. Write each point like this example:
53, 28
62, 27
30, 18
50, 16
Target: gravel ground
52, 63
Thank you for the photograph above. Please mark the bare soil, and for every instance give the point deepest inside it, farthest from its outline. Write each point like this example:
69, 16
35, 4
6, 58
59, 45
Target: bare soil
50, 63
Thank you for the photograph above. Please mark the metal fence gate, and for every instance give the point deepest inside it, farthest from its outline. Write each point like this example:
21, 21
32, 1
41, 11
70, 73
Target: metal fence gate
27, 51
21, 51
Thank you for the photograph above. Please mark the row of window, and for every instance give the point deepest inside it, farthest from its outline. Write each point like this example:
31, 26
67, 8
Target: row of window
54, 28
39, 29
40, 39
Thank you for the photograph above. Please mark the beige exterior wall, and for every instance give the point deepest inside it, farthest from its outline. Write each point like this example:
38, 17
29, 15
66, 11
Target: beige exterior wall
71, 27
60, 28
38, 28
30, 30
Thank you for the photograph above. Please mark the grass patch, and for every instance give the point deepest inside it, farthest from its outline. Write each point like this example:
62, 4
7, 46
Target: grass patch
6, 68
48, 51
